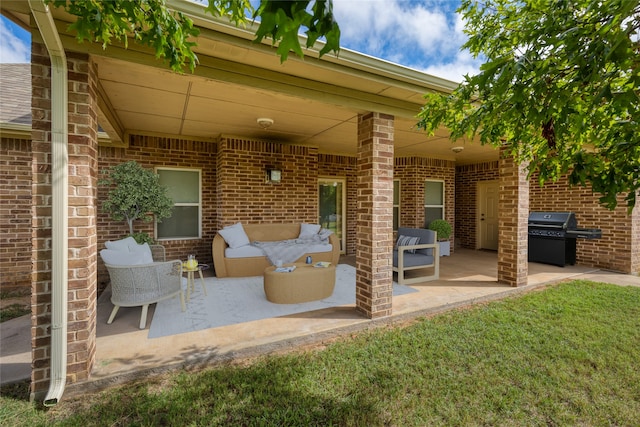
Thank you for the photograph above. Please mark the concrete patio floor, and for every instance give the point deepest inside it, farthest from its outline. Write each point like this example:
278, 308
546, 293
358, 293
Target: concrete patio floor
124, 353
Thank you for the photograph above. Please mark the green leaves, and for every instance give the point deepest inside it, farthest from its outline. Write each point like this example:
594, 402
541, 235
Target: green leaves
148, 22
135, 193
560, 87
283, 20
171, 34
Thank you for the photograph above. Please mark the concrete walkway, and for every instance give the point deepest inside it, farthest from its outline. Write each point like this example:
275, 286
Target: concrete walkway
125, 353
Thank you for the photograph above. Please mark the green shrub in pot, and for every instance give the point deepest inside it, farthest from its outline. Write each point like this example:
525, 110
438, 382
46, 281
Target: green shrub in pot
442, 227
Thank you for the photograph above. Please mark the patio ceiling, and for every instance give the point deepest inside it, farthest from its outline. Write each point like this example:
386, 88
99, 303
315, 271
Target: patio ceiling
312, 102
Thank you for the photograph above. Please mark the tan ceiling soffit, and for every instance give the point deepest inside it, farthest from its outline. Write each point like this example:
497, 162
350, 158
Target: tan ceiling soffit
234, 72
108, 118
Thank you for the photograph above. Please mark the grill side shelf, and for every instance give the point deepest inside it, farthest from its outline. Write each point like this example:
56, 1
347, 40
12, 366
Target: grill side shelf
586, 233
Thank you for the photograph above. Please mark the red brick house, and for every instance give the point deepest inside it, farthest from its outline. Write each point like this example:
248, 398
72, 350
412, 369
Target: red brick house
346, 121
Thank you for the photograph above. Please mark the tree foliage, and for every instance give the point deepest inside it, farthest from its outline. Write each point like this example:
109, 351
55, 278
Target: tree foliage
560, 87
171, 33
135, 194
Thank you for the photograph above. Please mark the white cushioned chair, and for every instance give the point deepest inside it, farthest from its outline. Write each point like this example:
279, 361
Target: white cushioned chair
140, 276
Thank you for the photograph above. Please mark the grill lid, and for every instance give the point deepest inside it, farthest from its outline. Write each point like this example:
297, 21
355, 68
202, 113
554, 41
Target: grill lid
564, 220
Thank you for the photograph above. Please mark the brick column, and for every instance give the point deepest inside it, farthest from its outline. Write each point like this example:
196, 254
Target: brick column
374, 234
635, 240
83, 174
513, 213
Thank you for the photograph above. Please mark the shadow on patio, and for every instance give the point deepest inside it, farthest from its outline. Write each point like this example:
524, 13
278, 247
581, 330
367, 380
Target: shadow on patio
124, 352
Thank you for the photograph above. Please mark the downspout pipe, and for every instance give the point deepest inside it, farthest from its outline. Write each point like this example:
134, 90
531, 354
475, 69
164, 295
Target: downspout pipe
59, 203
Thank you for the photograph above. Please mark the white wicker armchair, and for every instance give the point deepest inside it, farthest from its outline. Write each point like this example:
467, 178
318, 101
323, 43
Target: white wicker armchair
144, 284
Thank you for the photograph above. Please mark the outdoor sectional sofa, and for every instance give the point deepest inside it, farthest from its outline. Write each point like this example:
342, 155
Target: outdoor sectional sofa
238, 250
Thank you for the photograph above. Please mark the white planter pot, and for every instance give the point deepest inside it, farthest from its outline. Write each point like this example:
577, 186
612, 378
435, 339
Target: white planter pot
445, 248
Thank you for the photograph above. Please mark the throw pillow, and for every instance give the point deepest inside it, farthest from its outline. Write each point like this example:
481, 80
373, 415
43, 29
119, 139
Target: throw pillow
307, 231
408, 241
324, 233
234, 235
123, 245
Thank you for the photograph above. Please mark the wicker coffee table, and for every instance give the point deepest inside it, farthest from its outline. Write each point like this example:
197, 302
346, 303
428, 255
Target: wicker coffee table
305, 283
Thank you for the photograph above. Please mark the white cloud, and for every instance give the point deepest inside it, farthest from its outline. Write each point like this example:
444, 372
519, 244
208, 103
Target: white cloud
455, 70
12, 49
423, 35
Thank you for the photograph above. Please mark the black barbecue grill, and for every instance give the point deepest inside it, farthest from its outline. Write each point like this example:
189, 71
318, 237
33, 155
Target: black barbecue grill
552, 237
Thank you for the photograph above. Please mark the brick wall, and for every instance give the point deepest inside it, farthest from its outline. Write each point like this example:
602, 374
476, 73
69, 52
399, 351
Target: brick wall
635, 241
83, 147
619, 248
81, 281
513, 211
412, 173
15, 215
246, 196
467, 179
374, 215
615, 250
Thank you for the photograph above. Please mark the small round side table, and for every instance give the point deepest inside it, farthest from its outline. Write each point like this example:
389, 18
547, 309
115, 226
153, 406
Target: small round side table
191, 276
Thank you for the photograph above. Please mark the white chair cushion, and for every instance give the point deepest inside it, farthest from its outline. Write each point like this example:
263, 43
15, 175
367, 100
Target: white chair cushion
113, 257
234, 235
123, 245
307, 231
143, 251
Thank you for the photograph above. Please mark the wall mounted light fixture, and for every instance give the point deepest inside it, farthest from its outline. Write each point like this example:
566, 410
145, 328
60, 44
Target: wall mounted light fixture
274, 175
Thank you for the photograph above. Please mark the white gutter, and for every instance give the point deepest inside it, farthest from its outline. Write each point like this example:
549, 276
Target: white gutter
60, 204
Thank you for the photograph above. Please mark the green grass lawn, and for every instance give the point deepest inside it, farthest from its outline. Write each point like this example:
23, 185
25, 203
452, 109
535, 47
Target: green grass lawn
566, 355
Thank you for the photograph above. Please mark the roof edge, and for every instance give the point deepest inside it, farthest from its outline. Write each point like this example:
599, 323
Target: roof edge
346, 57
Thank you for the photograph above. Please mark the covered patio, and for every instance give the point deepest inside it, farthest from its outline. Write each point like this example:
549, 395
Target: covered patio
124, 352
349, 118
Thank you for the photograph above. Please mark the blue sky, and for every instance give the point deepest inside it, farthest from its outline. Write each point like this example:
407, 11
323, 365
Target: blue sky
422, 34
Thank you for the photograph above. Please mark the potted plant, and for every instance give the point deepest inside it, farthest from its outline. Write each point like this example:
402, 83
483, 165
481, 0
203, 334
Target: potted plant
443, 230
135, 193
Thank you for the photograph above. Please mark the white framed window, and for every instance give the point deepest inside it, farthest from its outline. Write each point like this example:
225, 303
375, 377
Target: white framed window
185, 189
433, 201
396, 204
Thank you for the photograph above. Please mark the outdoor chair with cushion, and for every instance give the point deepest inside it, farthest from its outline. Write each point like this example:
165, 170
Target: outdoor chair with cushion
416, 249
140, 276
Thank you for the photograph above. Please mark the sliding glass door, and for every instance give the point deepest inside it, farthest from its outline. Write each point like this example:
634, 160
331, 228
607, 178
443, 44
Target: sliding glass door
331, 207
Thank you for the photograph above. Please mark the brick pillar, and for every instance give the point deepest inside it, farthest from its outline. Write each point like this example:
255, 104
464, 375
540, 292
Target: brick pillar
83, 173
513, 213
374, 234
635, 240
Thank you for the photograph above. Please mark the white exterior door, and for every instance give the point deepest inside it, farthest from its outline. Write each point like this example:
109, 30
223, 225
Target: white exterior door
488, 215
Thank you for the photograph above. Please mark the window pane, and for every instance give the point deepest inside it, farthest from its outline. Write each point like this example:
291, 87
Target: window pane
396, 204
183, 186
430, 214
182, 223
396, 193
433, 194
396, 217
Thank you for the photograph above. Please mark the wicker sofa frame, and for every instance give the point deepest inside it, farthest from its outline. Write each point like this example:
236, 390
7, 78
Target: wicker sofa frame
255, 266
